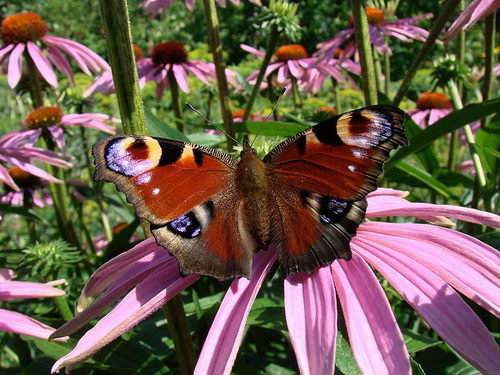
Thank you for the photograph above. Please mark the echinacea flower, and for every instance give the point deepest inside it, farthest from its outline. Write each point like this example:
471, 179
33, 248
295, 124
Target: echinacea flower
104, 84
476, 10
158, 7
12, 321
431, 106
52, 120
31, 190
25, 34
17, 148
240, 113
404, 29
424, 263
171, 58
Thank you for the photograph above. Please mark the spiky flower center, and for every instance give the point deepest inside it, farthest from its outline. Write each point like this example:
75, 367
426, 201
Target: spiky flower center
22, 178
239, 113
43, 117
139, 55
169, 53
374, 16
326, 109
23, 27
433, 100
291, 52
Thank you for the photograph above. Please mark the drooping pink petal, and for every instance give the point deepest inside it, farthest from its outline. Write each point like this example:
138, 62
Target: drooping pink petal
6, 274
458, 264
10, 290
375, 338
5, 50
110, 271
26, 165
136, 306
311, 317
15, 67
58, 135
438, 304
61, 62
6, 178
419, 117
476, 10
42, 64
11, 321
252, 50
223, 340
180, 77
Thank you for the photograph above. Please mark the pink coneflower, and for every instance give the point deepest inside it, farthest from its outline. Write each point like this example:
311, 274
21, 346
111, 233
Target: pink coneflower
52, 120
424, 263
155, 7
12, 321
17, 148
22, 34
431, 106
31, 190
240, 113
404, 29
104, 84
476, 10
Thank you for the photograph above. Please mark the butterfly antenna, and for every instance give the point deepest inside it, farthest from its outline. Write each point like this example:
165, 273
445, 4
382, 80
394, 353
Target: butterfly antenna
210, 122
270, 114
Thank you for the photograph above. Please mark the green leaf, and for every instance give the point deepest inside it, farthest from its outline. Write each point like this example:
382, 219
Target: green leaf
426, 178
491, 238
415, 342
416, 369
344, 360
206, 139
23, 211
267, 313
121, 240
53, 349
447, 124
488, 144
157, 128
269, 128
426, 157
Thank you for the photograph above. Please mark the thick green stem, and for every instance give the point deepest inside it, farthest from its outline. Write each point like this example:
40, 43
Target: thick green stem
378, 70
469, 136
116, 23
174, 91
272, 97
336, 95
220, 69
62, 305
271, 46
452, 154
387, 73
35, 83
489, 47
365, 52
446, 12
177, 324
297, 102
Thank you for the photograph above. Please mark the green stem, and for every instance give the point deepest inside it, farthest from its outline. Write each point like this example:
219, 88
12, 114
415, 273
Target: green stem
272, 97
378, 70
35, 83
177, 324
271, 46
297, 104
387, 73
469, 136
365, 52
446, 12
62, 305
116, 23
452, 155
336, 95
174, 91
220, 69
489, 47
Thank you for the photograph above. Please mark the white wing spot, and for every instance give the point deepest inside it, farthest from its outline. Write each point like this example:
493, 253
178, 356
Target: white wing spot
155, 191
352, 168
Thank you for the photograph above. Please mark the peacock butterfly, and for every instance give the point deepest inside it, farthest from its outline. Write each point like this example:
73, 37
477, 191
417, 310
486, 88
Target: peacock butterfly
306, 197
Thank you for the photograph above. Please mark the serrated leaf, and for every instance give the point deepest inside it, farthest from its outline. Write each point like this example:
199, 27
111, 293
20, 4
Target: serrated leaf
445, 125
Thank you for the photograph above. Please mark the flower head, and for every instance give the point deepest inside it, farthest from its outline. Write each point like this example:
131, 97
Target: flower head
158, 7
424, 263
31, 190
12, 321
431, 106
291, 52
27, 32
52, 119
404, 29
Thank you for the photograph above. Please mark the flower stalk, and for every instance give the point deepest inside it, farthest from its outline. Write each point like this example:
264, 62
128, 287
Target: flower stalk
365, 52
387, 74
271, 46
62, 305
116, 23
220, 70
489, 47
446, 12
337, 96
174, 94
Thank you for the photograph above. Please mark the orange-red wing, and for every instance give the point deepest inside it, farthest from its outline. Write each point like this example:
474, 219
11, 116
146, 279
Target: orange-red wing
340, 157
162, 178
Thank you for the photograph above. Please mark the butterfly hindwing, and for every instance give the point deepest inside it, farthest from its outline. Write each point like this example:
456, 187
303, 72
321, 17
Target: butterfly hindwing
320, 179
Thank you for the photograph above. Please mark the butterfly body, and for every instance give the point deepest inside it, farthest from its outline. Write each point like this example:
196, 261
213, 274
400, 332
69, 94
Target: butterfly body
305, 198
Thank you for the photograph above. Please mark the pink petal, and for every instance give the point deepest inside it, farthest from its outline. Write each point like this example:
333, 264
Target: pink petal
440, 306
15, 67
375, 338
61, 62
58, 135
10, 290
295, 69
5, 50
137, 305
11, 321
420, 116
25, 165
7, 179
476, 10
388, 191
42, 64
223, 340
311, 316
252, 50
180, 77
6, 274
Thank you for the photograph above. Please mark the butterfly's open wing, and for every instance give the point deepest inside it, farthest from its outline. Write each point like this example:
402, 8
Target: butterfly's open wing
178, 187
327, 171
